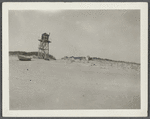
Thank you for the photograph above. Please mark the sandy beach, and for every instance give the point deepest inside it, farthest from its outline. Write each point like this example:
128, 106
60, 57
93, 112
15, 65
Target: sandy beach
58, 84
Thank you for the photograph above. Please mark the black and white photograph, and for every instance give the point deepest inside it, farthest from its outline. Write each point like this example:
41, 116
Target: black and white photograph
79, 59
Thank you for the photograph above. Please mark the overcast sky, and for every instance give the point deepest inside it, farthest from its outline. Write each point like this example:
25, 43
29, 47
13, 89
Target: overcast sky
111, 34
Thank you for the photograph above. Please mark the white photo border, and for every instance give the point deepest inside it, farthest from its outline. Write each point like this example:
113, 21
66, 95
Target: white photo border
142, 6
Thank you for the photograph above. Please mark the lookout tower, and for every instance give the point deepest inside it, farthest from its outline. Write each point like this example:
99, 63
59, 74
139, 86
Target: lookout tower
43, 52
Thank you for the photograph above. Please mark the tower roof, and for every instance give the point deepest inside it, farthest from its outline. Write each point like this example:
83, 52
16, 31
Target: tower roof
45, 34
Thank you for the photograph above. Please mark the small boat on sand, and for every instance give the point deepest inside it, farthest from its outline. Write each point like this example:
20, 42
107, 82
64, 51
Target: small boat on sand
24, 58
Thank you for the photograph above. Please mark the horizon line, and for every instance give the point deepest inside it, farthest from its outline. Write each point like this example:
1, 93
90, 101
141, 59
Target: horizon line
85, 56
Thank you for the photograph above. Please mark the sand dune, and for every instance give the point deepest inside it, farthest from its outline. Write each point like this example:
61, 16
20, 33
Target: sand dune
61, 84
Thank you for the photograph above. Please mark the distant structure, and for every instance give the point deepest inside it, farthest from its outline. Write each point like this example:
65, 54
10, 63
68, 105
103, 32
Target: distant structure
43, 52
88, 58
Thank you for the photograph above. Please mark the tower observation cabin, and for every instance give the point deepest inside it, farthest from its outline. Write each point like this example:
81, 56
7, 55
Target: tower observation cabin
43, 48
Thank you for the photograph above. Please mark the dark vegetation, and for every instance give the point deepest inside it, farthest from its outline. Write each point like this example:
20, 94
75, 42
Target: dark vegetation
28, 54
98, 59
